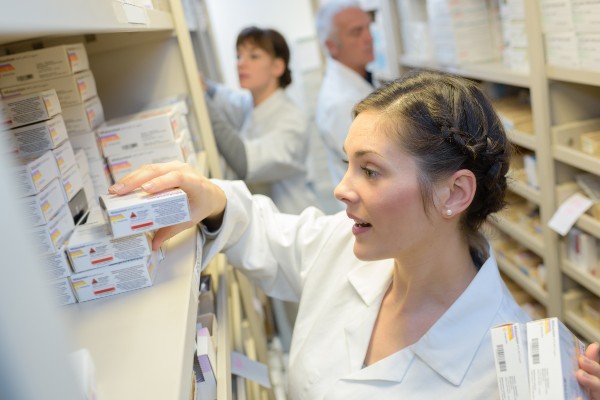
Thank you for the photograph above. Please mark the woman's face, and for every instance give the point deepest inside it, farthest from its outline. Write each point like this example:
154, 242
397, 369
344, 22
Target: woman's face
257, 69
382, 194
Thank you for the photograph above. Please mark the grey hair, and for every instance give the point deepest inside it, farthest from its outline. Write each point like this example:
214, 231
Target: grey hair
327, 13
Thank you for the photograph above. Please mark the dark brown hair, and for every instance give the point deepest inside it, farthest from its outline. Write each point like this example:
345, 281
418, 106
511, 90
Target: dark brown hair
273, 43
447, 123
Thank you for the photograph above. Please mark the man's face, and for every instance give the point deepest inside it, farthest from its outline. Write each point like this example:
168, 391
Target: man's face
351, 42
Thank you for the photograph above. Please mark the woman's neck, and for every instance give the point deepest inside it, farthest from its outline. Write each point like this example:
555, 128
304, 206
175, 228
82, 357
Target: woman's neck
262, 94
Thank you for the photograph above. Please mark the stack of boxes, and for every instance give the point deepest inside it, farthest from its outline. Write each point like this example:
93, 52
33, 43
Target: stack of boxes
572, 33
514, 33
460, 31
151, 136
52, 112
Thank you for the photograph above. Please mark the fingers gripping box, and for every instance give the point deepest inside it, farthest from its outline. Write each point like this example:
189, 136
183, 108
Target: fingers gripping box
139, 211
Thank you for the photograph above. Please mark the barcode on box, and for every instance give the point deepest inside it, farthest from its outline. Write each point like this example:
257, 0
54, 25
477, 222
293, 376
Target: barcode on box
535, 350
501, 358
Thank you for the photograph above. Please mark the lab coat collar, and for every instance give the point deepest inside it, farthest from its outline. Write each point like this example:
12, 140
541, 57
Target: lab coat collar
267, 107
450, 345
371, 280
348, 75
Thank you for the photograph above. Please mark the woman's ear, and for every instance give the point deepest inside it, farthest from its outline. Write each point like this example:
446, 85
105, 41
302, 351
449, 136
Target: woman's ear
278, 67
459, 193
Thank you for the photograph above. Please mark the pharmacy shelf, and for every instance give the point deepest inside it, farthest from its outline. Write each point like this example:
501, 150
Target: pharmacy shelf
530, 240
573, 75
579, 324
513, 272
142, 342
491, 72
524, 190
576, 158
582, 277
30, 19
589, 224
522, 139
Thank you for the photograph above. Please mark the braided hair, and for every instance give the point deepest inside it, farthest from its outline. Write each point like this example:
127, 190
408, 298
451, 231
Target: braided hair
447, 123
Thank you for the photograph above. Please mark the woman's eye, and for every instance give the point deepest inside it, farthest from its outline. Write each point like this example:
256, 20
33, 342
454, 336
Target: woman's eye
369, 173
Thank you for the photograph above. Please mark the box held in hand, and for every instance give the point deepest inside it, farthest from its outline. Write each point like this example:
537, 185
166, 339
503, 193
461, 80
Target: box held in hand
139, 211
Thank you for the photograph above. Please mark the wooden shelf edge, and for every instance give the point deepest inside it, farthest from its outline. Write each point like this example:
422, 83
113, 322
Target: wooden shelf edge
584, 278
513, 272
582, 76
533, 243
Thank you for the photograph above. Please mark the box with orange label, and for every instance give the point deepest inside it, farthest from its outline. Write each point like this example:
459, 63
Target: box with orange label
139, 211
29, 109
35, 65
92, 246
115, 279
510, 355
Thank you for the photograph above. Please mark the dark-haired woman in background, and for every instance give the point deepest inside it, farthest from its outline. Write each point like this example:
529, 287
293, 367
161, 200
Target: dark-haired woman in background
262, 134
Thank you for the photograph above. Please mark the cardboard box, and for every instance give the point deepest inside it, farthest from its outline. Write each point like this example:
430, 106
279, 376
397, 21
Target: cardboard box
65, 157
57, 263
85, 117
115, 279
140, 131
586, 15
562, 49
43, 206
92, 245
556, 15
590, 143
510, 356
139, 211
72, 182
34, 139
29, 109
42, 64
54, 234
82, 161
71, 89
589, 50
34, 174
553, 352
123, 164
63, 291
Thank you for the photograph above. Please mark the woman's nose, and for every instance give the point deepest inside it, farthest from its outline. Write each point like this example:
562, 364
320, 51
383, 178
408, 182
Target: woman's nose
343, 191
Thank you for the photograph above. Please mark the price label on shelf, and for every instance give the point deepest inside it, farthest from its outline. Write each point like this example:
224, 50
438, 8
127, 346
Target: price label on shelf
567, 214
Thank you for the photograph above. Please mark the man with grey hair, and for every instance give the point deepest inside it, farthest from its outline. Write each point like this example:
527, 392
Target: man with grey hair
343, 29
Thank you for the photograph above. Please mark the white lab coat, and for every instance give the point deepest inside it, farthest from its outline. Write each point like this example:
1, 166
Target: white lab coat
275, 136
341, 89
310, 257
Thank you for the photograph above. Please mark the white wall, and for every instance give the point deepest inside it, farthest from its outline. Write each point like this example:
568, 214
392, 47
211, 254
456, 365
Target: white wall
293, 18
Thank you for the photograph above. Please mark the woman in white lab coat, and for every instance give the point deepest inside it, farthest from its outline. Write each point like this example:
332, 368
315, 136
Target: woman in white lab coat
398, 294
261, 133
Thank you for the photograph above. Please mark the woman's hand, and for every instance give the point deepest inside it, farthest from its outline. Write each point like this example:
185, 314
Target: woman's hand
589, 374
207, 201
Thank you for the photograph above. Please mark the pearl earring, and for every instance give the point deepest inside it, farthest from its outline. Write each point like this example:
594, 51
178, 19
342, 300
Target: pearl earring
449, 212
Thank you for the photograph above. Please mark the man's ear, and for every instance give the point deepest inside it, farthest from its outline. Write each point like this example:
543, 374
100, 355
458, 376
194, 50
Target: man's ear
459, 191
332, 47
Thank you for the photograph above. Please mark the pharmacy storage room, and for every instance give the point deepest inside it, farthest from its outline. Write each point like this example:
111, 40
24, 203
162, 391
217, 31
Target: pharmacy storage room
300, 200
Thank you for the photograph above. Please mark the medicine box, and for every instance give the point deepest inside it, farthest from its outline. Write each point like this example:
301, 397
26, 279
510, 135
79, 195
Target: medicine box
42, 64
65, 157
590, 143
52, 236
31, 108
84, 117
142, 130
57, 263
92, 246
115, 279
43, 206
63, 291
72, 182
510, 356
35, 173
139, 211
39, 137
553, 352
71, 89
123, 164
